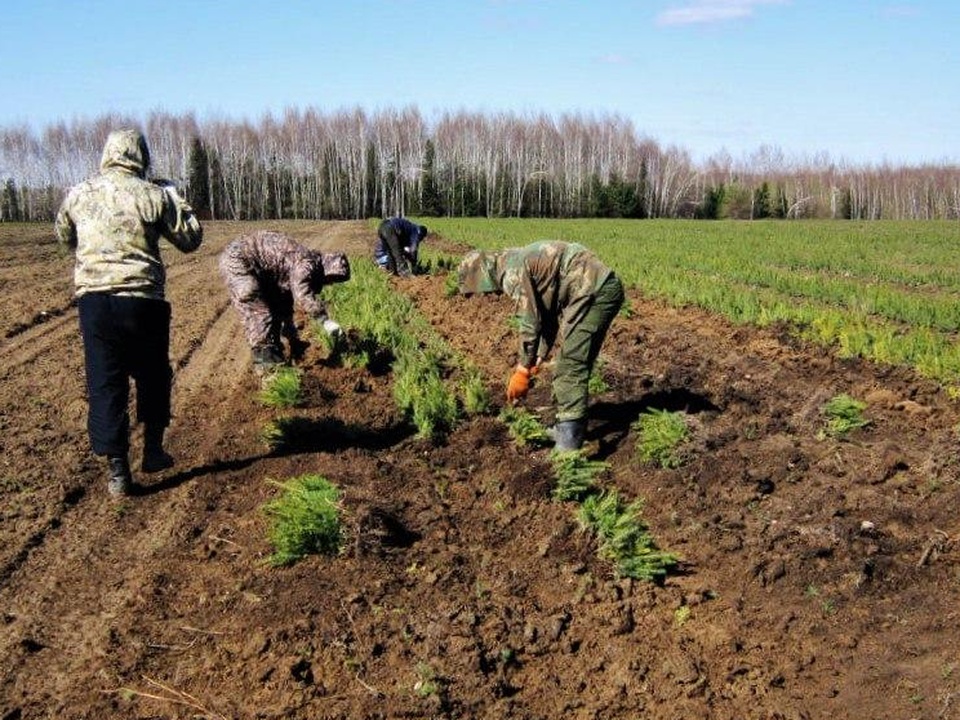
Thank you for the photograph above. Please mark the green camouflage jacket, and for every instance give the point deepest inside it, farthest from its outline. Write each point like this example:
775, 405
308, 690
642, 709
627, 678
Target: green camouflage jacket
552, 283
115, 221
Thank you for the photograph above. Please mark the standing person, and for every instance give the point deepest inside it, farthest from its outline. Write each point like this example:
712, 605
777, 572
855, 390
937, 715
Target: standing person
114, 222
398, 242
267, 273
562, 293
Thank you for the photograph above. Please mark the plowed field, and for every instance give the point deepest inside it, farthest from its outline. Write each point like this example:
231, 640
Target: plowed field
819, 577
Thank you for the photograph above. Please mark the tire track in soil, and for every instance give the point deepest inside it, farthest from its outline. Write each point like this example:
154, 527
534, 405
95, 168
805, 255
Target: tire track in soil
48, 489
112, 541
26, 344
125, 536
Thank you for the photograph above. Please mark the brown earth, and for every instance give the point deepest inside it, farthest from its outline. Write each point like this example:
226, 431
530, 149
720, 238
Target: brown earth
819, 578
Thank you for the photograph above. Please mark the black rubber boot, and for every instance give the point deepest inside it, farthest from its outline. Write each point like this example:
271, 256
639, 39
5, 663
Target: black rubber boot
155, 458
266, 359
568, 435
120, 481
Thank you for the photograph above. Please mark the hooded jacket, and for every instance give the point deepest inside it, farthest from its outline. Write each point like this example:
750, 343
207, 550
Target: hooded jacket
115, 221
553, 284
266, 264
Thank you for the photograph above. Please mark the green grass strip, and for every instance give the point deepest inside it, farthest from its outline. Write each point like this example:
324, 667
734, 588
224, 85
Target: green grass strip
432, 384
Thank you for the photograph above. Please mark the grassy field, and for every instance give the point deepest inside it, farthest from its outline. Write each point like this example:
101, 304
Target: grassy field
885, 291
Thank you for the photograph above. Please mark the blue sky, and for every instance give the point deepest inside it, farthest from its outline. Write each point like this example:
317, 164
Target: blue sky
863, 81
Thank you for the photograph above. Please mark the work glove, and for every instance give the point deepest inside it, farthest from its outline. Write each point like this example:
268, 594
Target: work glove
333, 329
519, 384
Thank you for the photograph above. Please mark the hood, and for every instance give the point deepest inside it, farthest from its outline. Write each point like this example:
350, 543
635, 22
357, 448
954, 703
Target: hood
335, 266
126, 149
479, 273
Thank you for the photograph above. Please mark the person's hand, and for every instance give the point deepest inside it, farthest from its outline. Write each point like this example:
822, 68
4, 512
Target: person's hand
519, 384
170, 188
333, 329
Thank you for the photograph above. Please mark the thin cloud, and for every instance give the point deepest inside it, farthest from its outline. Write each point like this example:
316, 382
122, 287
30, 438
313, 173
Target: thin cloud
614, 59
710, 11
901, 10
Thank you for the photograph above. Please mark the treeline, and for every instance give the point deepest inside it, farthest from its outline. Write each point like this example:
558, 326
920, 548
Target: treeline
353, 164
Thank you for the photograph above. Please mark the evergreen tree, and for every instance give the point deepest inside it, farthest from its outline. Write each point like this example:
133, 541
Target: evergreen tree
431, 203
761, 201
643, 185
714, 204
9, 203
198, 179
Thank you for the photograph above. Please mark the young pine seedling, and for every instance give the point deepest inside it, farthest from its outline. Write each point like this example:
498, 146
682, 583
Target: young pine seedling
575, 474
305, 519
476, 398
524, 426
843, 414
624, 538
660, 433
281, 388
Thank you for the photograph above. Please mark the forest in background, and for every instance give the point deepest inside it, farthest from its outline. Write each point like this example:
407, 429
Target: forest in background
352, 164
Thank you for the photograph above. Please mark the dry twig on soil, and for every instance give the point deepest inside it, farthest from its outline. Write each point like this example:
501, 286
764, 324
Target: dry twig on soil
179, 697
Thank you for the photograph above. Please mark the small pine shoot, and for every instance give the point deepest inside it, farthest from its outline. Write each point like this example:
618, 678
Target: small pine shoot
575, 474
476, 398
523, 426
281, 388
305, 519
624, 538
660, 433
843, 414
276, 433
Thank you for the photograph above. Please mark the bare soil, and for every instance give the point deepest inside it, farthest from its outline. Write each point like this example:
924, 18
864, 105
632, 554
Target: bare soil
819, 577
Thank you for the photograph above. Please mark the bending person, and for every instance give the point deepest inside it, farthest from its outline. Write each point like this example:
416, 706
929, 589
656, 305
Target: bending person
397, 246
563, 294
267, 274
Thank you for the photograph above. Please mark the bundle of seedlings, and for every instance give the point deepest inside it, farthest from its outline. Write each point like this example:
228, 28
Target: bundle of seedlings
305, 519
623, 537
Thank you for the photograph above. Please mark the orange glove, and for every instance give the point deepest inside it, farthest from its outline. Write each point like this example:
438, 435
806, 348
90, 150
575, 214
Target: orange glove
519, 384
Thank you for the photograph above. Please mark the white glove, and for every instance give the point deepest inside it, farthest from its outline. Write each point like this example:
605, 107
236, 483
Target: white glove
332, 328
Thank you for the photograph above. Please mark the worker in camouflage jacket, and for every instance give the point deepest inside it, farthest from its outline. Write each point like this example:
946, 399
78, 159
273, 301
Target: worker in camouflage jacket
563, 294
114, 222
397, 246
267, 274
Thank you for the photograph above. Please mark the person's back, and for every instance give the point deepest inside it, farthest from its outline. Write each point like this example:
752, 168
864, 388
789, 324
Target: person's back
397, 247
115, 221
273, 257
267, 273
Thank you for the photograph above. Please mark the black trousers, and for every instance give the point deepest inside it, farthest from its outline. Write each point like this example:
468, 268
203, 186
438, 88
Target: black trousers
124, 338
397, 262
